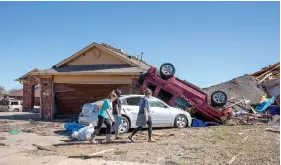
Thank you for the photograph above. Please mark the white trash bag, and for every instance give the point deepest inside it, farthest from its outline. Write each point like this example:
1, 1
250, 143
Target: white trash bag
84, 133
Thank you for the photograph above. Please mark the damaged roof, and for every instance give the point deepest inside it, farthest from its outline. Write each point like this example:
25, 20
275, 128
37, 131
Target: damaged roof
134, 65
275, 66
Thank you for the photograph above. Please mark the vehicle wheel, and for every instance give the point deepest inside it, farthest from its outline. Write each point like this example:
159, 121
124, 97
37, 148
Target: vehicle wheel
16, 110
218, 98
125, 126
167, 70
181, 121
141, 78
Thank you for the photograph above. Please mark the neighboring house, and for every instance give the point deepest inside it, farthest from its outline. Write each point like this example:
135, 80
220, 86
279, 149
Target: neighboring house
269, 79
3, 96
3, 92
86, 76
18, 95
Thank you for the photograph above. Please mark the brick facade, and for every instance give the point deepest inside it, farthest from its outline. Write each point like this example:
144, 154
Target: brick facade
46, 93
136, 87
28, 93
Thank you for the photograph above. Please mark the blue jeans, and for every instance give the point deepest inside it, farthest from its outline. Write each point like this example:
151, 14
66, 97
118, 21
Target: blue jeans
116, 126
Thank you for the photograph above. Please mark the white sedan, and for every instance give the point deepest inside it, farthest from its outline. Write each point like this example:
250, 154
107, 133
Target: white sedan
162, 114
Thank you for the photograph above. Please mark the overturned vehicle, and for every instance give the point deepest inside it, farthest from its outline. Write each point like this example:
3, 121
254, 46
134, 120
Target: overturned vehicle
184, 95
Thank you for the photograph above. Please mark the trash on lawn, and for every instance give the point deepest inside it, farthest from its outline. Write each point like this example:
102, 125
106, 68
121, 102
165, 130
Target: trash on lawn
198, 123
71, 127
14, 132
84, 133
265, 104
274, 110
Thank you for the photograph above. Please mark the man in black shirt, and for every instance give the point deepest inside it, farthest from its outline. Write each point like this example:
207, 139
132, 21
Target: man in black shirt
116, 110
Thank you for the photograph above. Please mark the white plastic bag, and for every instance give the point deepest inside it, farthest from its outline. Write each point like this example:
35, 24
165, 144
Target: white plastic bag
84, 133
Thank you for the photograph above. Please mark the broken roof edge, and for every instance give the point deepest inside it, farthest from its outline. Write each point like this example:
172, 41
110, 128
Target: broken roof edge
265, 69
229, 81
27, 74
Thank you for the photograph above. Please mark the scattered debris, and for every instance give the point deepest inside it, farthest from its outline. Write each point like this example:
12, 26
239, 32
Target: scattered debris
2, 138
273, 130
232, 159
3, 144
93, 155
14, 132
41, 147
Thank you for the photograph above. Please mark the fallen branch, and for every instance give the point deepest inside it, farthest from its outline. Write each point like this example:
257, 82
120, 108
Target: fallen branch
41, 147
232, 159
92, 155
272, 130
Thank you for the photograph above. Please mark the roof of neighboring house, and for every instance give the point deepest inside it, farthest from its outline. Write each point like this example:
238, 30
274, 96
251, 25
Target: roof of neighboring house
19, 92
3, 91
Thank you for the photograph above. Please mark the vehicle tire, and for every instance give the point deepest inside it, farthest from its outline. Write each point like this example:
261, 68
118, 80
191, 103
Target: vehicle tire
16, 110
167, 70
125, 126
141, 78
218, 98
181, 121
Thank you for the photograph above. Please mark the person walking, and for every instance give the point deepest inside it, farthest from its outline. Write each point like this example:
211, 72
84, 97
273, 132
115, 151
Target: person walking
116, 107
144, 117
103, 117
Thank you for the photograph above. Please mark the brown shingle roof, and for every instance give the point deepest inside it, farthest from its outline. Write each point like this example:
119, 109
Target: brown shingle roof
93, 69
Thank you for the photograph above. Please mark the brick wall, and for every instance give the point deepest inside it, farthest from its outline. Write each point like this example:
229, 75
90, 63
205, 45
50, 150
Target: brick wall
46, 98
136, 87
28, 93
28, 97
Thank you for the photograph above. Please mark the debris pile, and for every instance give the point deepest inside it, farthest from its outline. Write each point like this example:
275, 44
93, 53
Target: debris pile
243, 87
40, 128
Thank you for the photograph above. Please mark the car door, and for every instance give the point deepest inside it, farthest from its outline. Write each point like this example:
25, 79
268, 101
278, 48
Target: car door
160, 113
130, 107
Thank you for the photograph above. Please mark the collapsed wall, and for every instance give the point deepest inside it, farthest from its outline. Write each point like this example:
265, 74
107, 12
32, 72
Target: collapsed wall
238, 88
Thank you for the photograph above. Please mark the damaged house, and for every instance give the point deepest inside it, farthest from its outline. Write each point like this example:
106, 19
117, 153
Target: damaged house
251, 87
87, 76
269, 79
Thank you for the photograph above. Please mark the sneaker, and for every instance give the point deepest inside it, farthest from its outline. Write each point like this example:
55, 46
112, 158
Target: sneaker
131, 138
151, 140
118, 138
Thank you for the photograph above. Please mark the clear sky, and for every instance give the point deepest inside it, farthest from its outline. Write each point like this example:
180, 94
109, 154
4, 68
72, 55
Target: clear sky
208, 42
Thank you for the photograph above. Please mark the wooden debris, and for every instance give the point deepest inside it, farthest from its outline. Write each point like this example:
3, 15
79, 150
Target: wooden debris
41, 147
273, 130
232, 159
92, 155
85, 156
3, 144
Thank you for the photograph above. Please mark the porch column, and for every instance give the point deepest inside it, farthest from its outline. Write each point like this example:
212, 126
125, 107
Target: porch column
28, 97
46, 95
